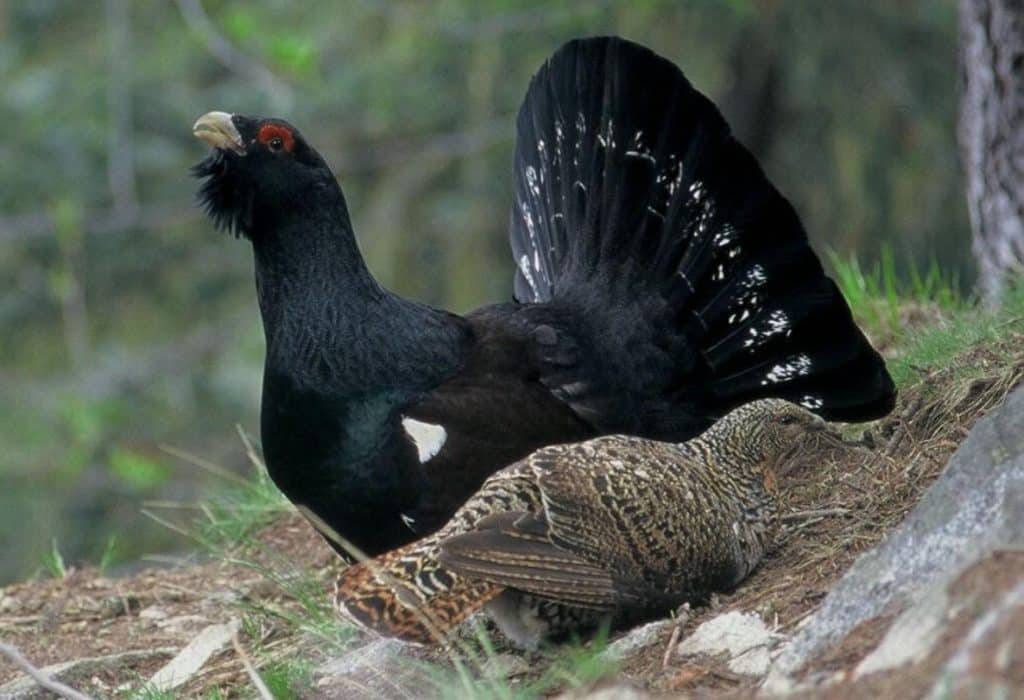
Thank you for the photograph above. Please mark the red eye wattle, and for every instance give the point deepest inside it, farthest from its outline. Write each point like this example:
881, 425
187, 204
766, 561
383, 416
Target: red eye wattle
276, 137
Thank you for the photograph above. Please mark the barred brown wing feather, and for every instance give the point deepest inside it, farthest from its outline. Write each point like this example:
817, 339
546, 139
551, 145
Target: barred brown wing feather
514, 553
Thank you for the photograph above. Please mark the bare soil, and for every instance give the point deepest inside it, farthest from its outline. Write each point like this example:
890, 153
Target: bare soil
156, 612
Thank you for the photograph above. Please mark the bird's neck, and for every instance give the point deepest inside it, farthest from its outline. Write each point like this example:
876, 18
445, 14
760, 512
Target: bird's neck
315, 292
308, 262
746, 462
326, 318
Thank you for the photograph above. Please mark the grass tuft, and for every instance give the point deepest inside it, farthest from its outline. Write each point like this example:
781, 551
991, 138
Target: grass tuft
880, 299
281, 627
109, 556
937, 345
288, 680
569, 667
53, 561
148, 692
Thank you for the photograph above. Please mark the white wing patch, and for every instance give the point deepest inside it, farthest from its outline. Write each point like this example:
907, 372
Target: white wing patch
427, 437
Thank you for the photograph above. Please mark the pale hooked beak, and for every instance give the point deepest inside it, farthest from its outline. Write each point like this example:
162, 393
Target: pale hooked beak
217, 130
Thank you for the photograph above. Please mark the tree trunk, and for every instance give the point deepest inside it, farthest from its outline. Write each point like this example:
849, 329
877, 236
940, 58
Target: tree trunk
992, 136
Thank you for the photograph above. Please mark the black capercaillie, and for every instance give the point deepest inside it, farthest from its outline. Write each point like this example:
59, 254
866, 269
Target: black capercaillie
661, 281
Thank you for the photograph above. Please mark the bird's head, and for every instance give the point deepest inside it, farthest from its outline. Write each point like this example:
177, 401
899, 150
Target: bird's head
769, 432
258, 168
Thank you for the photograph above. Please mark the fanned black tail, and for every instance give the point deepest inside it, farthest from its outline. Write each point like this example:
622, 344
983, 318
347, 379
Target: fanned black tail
636, 206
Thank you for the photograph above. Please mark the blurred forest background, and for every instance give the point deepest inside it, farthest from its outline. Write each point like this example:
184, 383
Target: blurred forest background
127, 324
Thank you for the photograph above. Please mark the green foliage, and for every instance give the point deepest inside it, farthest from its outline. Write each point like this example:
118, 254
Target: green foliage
240, 22
147, 692
878, 295
53, 561
295, 53
952, 324
232, 513
85, 427
235, 508
477, 672
140, 472
109, 556
230, 518
315, 618
573, 666
972, 326
287, 680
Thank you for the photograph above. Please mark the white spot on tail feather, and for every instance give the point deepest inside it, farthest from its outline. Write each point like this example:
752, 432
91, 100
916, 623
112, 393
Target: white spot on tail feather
427, 437
531, 180
645, 155
777, 323
524, 267
812, 402
797, 366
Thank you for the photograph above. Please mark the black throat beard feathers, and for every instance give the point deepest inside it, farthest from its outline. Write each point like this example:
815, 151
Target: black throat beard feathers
222, 196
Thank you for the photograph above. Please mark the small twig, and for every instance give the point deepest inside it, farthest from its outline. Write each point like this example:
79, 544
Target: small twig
261, 687
808, 514
250, 451
206, 464
176, 505
166, 523
13, 621
1009, 321
231, 57
55, 687
807, 523
792, 624
672, 641
726, 675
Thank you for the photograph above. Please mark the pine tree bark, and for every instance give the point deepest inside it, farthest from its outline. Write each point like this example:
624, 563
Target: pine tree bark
992, 136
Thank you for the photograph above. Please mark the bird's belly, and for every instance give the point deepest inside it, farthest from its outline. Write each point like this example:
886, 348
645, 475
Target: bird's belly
345, 462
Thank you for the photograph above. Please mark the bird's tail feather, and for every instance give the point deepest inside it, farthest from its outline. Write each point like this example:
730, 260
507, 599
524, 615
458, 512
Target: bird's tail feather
631, 195
408, 595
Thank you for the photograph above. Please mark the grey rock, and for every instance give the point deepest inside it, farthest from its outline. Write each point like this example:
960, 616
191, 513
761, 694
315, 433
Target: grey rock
618, 691
962, 673
629, 644
378, 653
503, 666
976, 505
378, 669
742, 637
912, 636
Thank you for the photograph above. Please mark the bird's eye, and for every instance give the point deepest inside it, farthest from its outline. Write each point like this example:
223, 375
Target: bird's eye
787, 420
276, 138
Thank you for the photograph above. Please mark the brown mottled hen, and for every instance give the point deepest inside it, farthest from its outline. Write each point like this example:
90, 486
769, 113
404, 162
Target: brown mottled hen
617, 528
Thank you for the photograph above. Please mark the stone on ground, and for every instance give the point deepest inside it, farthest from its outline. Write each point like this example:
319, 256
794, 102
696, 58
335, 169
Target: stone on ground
742, 637
943, 559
